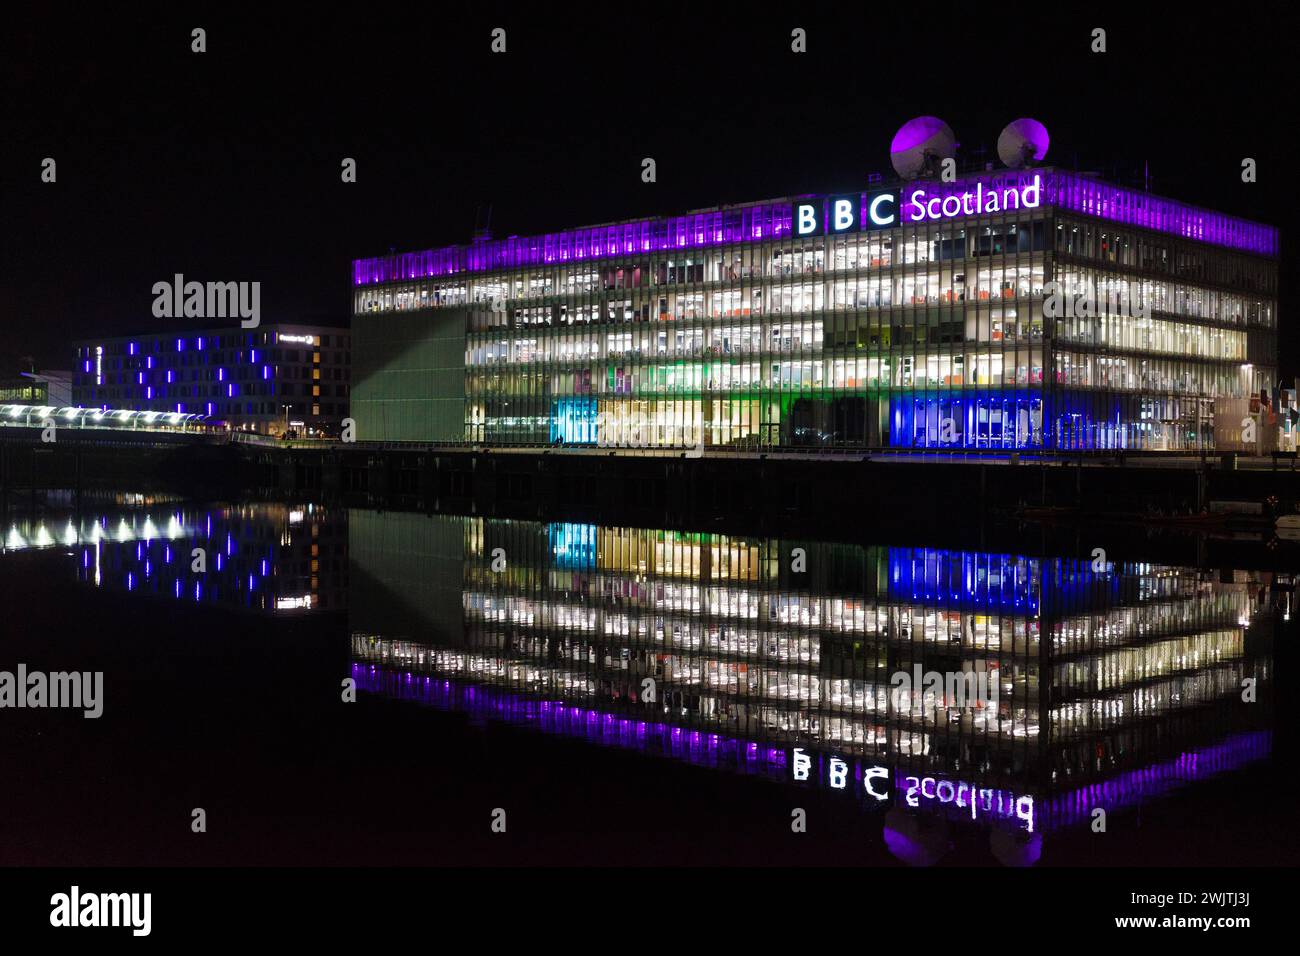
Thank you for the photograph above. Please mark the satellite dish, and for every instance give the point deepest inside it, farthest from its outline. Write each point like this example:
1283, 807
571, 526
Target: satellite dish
920, 146
1023, 142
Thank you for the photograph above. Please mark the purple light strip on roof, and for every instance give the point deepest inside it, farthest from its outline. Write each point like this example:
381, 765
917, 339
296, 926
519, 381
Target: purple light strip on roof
1130, 207
773, 220
697, 231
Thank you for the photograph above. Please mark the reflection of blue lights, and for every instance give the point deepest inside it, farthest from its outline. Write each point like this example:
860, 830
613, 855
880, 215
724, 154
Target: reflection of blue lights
1008, 583
965, 580
573, 420
573, 545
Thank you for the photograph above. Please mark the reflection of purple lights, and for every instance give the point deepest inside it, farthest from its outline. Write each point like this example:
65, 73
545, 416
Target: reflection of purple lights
1157, 780
1061, 189
749, 757
597, 727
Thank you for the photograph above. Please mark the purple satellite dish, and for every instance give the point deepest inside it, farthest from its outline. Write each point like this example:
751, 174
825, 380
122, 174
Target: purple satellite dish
1024, 141
1012, 848
914, 840
920, 145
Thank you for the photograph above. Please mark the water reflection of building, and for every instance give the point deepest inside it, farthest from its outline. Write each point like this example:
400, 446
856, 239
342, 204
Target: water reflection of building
1113, 685
260, 557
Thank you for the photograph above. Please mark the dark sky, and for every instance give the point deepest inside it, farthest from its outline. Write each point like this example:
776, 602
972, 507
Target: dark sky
225, 165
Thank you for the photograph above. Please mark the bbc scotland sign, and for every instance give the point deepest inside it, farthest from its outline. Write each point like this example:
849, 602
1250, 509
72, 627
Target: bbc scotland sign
913, 203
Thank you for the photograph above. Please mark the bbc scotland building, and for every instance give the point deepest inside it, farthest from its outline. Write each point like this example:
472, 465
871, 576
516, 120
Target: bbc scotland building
269, 379
920, 315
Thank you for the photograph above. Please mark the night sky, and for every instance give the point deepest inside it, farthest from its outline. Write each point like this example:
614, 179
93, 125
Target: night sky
225, 165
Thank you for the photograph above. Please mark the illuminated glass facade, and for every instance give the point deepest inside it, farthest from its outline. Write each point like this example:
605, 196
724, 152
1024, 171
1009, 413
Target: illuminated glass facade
267, 379
712, 648
1036, 310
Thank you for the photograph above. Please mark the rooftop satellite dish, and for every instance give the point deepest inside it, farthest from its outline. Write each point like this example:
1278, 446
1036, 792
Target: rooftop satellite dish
1022, 143
920, 146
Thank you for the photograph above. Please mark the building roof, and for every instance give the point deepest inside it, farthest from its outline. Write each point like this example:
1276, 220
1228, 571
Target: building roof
772, 219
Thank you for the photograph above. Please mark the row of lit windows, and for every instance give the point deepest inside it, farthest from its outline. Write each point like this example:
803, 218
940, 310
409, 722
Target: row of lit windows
869, 250
1010, 367
1161, 376
956, 419
724, 341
